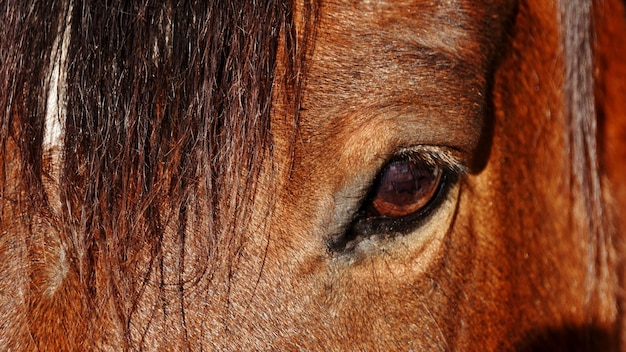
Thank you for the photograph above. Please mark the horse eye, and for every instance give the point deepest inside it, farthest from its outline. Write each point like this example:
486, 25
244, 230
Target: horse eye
408, 190
404, 188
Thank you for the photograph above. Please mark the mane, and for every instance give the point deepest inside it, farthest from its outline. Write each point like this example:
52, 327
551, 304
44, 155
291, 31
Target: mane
581, 138
166, 115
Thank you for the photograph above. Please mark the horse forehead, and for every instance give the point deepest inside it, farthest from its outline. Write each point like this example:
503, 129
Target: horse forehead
442, 25
420, 66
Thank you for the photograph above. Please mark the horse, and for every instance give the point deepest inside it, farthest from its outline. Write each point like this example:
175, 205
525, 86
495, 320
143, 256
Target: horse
312, 175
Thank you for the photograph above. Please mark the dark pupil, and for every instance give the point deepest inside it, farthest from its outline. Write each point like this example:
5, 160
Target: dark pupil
405, 187
403, 183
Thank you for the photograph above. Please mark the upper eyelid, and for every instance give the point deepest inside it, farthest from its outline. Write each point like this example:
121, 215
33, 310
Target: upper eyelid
446, 158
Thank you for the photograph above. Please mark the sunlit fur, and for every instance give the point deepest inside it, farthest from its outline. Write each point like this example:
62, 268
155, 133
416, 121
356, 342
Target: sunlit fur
172, 174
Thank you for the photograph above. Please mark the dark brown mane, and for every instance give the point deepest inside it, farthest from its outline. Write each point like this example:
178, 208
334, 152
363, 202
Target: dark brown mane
167, 114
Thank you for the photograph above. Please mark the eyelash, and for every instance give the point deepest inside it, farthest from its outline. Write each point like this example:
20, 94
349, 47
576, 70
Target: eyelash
365, 226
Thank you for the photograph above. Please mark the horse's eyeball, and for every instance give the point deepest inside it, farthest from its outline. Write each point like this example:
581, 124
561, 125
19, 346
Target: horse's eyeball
405, 187
409, 189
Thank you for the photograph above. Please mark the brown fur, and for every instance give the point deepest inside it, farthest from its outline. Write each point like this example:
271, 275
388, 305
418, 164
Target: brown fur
213, 153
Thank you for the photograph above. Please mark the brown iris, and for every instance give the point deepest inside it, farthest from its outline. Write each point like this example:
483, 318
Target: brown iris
405, 188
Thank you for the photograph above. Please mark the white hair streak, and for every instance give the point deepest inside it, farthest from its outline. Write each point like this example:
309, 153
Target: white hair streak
55, 100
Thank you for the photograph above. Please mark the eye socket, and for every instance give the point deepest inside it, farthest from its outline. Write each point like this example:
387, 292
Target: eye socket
411, 186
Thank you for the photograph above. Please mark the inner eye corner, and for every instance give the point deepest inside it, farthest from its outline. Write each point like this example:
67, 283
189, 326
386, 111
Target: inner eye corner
408, 188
